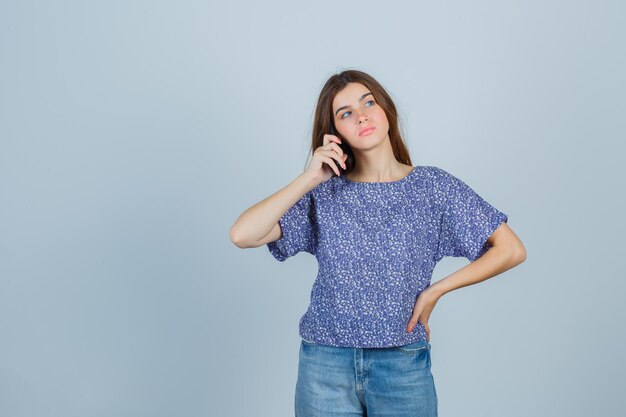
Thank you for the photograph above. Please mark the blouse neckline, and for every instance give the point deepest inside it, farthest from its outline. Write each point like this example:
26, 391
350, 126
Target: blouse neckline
374, 183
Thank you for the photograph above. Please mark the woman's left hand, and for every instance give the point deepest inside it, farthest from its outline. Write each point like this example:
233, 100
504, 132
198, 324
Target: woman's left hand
424, 305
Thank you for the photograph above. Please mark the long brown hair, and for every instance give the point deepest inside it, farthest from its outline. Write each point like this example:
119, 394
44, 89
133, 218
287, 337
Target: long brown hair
323, 120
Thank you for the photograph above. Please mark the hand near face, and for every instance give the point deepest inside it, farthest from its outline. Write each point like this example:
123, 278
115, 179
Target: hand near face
323, 163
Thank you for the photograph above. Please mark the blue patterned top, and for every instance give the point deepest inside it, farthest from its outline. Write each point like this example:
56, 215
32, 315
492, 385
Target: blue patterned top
376, 245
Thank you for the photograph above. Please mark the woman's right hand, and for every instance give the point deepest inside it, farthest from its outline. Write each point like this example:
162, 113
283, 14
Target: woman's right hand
322, 164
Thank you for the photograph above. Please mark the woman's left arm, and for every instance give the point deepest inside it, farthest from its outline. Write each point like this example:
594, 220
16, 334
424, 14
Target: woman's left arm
506, 252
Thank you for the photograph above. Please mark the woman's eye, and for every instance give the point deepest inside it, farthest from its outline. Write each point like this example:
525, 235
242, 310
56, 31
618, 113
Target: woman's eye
369, 101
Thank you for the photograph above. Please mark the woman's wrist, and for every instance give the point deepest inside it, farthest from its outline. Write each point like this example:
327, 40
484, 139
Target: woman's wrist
308, 179
436, 289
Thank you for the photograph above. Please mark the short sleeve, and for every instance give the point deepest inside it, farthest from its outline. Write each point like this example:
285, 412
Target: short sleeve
467, 220
298, 229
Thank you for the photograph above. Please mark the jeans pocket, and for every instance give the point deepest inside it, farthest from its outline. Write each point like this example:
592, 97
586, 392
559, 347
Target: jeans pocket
307, 342
414, 347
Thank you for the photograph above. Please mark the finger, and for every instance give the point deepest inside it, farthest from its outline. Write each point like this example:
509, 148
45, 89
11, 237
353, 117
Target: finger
330, 138
333, 150
333, 146
334, 155
336, 147
330, 162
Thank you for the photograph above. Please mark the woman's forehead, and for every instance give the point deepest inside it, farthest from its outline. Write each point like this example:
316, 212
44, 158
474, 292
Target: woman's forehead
350, 95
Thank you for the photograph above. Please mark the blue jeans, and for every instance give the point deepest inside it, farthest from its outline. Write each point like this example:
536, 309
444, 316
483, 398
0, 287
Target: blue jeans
373, 382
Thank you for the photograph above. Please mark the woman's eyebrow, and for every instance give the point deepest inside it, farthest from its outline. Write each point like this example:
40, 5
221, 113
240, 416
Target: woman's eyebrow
345, 107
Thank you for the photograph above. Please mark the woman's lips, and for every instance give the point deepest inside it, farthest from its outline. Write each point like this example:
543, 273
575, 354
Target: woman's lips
367, 131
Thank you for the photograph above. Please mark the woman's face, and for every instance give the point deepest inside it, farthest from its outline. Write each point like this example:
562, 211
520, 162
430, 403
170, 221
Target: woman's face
355, 110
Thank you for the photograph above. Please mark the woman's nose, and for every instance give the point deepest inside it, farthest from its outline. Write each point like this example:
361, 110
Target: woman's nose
361, 116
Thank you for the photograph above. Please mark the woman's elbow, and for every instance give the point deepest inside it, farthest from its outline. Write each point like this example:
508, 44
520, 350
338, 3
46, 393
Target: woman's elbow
519, 253
514, 246
236, 238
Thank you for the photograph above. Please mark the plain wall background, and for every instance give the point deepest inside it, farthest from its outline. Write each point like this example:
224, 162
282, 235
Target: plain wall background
134, 133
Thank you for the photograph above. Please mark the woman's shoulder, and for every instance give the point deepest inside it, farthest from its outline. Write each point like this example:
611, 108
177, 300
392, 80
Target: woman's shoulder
430, 175
438, 175
437, 181
432, 170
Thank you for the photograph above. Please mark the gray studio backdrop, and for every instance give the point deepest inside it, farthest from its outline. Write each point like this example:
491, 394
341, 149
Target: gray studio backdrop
133, 134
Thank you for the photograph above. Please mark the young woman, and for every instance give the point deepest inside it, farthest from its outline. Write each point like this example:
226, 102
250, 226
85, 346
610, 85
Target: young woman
378, 226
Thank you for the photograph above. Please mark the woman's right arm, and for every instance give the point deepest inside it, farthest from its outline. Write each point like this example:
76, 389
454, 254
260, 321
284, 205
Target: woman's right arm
259, 225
